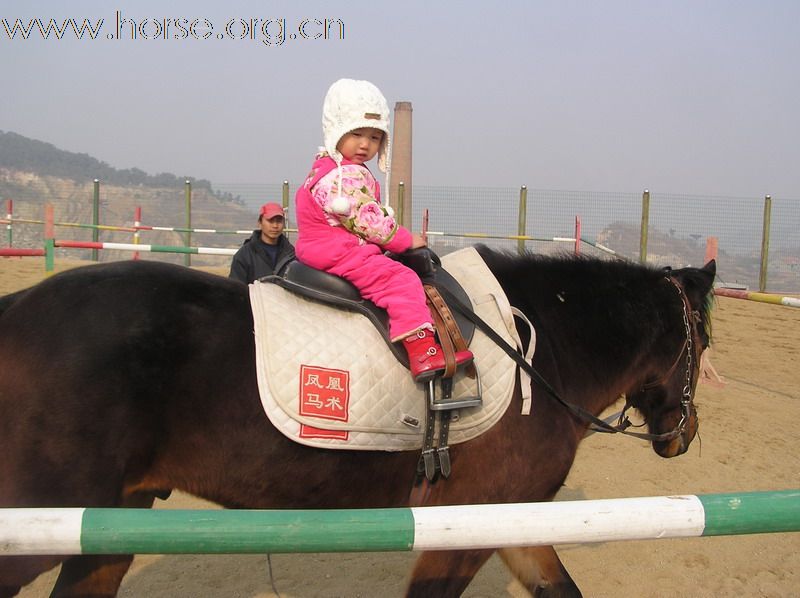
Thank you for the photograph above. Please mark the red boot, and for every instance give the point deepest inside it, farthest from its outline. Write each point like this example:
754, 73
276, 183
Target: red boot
426, 358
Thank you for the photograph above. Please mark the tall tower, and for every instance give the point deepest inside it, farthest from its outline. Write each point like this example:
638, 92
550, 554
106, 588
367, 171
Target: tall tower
401, 160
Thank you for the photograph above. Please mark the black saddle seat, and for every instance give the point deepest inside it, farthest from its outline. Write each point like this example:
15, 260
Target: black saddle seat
333, 290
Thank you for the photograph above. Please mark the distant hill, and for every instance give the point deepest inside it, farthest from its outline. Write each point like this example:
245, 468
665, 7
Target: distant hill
21, 153
33, 173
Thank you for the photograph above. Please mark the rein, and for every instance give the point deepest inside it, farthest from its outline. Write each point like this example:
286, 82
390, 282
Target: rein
583, 414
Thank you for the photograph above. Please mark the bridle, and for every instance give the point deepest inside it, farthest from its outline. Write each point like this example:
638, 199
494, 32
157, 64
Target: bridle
596, 424
688, 346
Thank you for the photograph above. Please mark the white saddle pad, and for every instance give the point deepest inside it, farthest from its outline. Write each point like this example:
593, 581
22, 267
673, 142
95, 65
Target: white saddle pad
328, 379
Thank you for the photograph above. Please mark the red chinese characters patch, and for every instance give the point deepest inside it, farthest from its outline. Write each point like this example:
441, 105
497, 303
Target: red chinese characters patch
324, 393
312, 432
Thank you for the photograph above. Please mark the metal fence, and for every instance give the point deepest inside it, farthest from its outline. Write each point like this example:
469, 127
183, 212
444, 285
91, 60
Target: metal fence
678, 225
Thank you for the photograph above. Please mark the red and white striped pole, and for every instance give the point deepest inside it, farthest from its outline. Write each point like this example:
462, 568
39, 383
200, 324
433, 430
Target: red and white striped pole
9, 216
137, 222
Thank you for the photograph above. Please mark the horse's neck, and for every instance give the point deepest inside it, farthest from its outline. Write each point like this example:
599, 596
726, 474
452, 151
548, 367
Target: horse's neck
601, 327
585, 373
592, 363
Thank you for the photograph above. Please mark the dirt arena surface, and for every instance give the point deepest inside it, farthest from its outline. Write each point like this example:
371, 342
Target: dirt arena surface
748, 442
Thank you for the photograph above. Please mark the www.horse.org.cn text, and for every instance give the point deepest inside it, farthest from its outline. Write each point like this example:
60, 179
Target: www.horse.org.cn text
270, 32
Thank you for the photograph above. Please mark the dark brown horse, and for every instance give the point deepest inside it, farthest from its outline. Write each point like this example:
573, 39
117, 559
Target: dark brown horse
124, 381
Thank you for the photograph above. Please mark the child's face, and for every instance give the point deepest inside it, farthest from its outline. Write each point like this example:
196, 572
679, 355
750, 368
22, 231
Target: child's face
360, 145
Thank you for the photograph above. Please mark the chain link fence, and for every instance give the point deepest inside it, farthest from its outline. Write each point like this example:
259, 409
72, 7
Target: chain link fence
678, 226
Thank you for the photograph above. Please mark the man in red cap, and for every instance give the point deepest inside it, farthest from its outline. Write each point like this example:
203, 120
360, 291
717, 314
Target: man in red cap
267, 251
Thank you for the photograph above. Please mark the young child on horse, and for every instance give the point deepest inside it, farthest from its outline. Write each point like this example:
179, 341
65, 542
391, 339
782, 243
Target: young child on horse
343, 229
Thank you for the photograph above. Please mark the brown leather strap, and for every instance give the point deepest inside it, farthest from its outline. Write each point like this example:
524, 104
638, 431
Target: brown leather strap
447, 326
445, 338
447, 316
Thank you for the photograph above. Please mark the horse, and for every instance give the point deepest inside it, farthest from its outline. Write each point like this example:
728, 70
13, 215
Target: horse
121, 382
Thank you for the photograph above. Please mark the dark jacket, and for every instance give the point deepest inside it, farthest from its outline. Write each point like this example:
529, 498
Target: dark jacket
252, 261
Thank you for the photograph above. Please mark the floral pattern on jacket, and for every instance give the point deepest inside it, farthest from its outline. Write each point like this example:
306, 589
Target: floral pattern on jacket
357, 208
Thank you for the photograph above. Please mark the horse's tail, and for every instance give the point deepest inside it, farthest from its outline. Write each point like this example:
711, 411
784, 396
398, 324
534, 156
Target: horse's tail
7, 301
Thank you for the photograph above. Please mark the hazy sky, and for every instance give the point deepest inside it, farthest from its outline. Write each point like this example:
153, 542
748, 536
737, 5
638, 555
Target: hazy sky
681, 96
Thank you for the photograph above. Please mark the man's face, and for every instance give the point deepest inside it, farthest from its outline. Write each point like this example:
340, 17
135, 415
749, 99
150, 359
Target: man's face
271, 229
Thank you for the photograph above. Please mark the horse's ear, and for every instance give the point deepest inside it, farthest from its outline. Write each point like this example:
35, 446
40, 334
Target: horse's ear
697, 280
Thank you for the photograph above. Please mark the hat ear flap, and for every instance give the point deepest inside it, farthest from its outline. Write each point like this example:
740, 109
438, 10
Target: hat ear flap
384, 158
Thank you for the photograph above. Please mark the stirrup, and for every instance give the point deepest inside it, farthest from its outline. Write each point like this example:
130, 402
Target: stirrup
446, 401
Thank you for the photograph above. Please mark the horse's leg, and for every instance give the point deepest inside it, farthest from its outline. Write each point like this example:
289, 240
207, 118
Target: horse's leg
98, 576
445, 573
18, 571
539, 569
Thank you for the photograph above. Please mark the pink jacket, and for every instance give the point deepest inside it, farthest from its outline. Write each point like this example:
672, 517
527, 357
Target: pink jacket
331, 226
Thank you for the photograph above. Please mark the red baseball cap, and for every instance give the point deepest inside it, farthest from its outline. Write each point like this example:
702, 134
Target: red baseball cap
270, 210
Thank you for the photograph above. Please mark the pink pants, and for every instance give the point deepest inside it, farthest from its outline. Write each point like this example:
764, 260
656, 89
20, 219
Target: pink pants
389, 285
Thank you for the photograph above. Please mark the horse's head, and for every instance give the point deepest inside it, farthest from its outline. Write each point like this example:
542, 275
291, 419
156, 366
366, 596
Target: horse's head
666, 399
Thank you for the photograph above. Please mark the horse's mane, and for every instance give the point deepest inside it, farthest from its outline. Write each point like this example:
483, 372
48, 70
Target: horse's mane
567, 265
568, 268
591, 289
568, 272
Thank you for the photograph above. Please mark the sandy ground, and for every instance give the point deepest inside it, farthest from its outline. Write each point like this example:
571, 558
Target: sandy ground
748, 442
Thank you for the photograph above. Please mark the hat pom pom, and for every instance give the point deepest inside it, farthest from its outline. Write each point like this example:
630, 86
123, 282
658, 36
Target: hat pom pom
341, 206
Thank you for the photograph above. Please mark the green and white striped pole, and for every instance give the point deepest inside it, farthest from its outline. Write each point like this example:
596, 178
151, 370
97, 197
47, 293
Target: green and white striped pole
146, 531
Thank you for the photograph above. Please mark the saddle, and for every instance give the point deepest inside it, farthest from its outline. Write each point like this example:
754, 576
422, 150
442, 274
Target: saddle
320, 286
455, 332
320, 387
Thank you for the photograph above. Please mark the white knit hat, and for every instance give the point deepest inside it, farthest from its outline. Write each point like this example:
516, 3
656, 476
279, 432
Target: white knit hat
349, 105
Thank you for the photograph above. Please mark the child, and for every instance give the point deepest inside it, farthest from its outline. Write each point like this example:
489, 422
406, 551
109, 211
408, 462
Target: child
343, 229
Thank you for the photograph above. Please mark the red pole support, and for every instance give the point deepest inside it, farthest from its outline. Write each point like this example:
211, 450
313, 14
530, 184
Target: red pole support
712, 245
49, 238
577, 235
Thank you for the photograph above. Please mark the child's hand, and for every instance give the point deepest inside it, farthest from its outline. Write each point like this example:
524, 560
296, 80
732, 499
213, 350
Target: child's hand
417, 241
